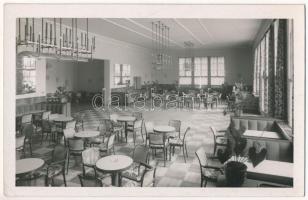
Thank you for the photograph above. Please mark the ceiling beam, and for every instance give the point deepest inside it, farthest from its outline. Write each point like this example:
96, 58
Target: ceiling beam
188, 31
148, 29
205, 29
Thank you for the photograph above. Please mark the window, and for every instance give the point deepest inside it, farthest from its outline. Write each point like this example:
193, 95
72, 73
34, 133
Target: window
201, 71
185, 71
121, 74
195, 71
26, 75
217, 70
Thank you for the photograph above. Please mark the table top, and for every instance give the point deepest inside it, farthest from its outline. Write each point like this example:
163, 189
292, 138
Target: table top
114, 163
86, 134
60, 118
164, 129
271, 167
126, 118
263, 134
28, 165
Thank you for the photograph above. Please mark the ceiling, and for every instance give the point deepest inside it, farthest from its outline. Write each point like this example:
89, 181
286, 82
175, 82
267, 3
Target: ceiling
203, 33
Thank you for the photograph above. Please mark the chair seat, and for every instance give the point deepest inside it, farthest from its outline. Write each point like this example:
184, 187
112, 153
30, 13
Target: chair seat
96, 140
159, 145
54, 170
221, 140
175, 141
173, 135
211, 174
103, 147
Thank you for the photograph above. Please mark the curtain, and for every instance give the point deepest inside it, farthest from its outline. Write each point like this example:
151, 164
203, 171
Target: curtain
271, 74
281, 73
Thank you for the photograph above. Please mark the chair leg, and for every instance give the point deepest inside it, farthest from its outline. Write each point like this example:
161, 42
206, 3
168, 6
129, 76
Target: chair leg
170, 153
184, 154
30, 148
68, 163
64, 179
164, 158
186, 150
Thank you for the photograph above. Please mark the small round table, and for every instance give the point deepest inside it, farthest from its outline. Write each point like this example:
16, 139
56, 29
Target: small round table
28, 165
126, 119
114, 164
60, 118
86, 134
164, 129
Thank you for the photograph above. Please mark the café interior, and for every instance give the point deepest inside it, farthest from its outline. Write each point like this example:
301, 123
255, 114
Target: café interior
154, 102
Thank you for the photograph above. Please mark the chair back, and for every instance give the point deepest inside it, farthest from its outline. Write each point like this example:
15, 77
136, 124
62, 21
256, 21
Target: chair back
187, 130
27, 131
177, 125
214, 132
141, 154
46, 125
201, 155
89, 181
108, 125
149, 127
156, 138
69, 133
59, 153
110, 141
138, 115
138, 123
46, 115
71, 124
90, 156
76, 144
26, 119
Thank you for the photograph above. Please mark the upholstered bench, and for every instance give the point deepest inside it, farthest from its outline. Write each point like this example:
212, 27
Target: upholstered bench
280, 149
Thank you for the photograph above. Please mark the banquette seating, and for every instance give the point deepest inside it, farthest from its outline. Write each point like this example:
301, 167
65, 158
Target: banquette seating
277, 149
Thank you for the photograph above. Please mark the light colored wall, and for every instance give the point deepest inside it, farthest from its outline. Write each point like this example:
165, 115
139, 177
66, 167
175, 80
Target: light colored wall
238, 63
60, 73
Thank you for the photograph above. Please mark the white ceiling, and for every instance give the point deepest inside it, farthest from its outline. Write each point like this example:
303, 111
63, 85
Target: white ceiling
203, 33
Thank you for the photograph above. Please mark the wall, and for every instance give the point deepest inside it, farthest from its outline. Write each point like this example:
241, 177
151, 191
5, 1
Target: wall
60, 73
238, 64
90, 76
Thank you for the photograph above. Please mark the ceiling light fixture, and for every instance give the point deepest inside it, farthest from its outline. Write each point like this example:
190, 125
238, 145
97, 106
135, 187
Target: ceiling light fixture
160, 44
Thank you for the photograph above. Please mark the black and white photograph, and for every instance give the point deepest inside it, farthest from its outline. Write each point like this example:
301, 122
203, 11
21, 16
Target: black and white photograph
153, 100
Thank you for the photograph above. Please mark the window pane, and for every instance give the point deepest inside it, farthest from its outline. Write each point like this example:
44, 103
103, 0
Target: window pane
201, 81
116, 80
214, 66
181, 70
185, 80
217, 80
117, 70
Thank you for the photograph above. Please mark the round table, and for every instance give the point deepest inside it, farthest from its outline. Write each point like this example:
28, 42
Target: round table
60, 118
164, 129
114, 164
28, 165
86, 134
125, 119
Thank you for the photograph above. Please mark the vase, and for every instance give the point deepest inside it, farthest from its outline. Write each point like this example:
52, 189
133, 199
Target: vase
235, 173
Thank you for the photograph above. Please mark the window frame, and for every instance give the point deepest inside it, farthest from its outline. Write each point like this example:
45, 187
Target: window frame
121, 75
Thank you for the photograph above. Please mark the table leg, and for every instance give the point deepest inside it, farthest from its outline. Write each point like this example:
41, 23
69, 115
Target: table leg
114, 179
125, 130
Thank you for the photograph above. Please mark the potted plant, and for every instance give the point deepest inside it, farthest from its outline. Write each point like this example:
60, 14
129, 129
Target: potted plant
62, 94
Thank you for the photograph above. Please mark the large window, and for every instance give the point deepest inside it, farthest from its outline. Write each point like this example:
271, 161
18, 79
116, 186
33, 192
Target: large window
26, 75
185, 71
201, 71
195, 71
217, 70
121, 74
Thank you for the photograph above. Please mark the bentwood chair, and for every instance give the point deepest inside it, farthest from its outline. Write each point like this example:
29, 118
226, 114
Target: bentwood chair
137, 126
149, 128
140, 155
57, 165
75, 148
177, 126
28, 131
89, 158
108, 147
68, 133
208, 172
157, 141
219, 139
179, 142
103, 133
145, 179
48, 128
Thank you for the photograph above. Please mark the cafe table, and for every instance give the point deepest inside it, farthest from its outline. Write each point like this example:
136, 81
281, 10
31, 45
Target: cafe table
125, 119
60, 118
28, 165
114, 164
164, 129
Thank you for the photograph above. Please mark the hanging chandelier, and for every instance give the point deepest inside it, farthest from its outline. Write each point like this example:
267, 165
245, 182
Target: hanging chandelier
160, 44
189, 54
50, 38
